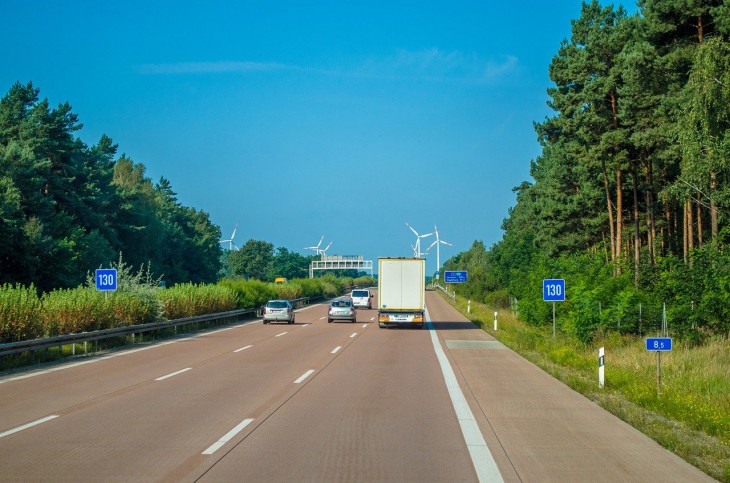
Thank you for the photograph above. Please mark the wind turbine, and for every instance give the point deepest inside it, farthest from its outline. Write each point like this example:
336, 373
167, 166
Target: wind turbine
438, 244
417, 249
316, 248
324, 252
231, 246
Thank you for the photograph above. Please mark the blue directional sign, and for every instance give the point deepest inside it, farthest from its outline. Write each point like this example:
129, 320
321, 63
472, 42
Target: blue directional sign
455, 276
106, 279
659, 344
553, 290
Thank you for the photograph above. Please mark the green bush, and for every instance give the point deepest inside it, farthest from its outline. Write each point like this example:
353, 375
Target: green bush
251, 293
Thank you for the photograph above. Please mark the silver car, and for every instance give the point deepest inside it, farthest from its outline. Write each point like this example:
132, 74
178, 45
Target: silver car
341, 309
278, 311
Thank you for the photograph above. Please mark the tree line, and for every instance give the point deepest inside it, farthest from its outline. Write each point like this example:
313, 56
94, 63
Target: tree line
67, 208
630, 197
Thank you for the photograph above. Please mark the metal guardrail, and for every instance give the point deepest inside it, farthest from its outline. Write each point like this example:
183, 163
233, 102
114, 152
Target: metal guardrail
83, 337
443, 289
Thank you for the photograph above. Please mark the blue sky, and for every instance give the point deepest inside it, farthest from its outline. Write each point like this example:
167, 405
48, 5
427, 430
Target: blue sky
302, 119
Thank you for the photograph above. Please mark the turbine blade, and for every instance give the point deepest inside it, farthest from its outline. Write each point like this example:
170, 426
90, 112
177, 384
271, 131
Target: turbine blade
431, 245
409, 226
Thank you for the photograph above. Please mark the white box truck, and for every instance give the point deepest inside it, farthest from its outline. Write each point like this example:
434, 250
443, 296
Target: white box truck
401, 292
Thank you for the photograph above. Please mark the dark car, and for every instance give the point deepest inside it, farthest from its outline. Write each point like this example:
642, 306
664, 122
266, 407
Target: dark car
278, 311
341, 309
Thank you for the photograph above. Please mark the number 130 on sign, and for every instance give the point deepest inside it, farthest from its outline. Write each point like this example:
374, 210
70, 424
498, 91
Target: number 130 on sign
553, 290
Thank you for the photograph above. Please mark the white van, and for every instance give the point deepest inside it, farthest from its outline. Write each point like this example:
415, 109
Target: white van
361, 298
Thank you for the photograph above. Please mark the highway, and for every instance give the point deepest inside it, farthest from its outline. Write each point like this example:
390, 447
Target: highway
315, 401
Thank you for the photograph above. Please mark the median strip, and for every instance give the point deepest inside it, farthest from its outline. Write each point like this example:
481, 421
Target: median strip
29, 425
228, 436
304, 376
173, 374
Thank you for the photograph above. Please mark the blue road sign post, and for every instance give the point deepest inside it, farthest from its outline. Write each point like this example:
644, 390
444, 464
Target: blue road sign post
659, 345
553, 290
106, 279
455, 276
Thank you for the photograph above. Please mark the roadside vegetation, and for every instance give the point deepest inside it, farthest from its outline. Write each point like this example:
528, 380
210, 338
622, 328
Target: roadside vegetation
26, 314
691, 416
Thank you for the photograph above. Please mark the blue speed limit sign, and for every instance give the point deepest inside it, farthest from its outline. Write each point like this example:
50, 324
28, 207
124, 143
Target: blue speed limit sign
106, 279
553, 290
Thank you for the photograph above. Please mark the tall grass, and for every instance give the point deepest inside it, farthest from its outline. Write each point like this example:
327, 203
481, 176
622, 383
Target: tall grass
691, 416
187, 300
138, 300
20, 313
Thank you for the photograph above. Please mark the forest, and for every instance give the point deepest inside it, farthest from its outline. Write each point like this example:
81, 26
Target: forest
629, 200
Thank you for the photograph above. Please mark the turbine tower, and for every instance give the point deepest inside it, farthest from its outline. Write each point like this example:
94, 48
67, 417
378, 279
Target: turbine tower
417, 248
438, 244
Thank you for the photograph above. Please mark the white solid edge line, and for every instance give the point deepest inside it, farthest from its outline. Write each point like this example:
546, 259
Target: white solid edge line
28, 425
279, 335
481, 457
173, 374
304, 376
243, 348
336, 349
227, 437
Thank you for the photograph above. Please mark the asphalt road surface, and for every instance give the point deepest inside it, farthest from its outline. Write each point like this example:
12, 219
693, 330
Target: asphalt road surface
315, 401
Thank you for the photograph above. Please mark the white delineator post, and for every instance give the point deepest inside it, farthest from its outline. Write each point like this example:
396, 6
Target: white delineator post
468, 307
601, 362
495, 321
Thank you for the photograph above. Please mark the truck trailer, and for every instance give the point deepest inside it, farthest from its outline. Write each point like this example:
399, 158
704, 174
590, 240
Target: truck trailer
401, 292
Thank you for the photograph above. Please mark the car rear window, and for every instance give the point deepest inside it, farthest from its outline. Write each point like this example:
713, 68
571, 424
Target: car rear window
277, 304
341, 303
360, 293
